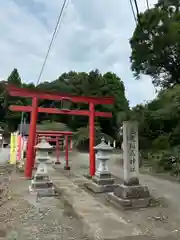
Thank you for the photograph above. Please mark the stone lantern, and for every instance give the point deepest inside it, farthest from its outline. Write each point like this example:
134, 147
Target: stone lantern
102, 181
1, 138
41, 183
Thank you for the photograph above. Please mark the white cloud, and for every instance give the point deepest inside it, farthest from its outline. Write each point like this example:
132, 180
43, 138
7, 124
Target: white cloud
93, 34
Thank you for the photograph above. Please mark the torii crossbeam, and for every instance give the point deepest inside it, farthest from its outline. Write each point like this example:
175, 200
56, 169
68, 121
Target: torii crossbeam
34, 109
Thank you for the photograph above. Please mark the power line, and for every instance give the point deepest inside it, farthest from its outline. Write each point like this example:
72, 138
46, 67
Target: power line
66, 5
147, 3
132, 8
137, 10
52, 40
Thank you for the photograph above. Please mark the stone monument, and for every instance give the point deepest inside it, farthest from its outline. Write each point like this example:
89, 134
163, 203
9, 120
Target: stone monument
41, 183
130, 194
102, 181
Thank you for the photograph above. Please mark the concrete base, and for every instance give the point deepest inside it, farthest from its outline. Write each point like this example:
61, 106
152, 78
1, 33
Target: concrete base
132, 182
41, 185
45, 192
130, 197
131, 192
100, 184
103, 181
96, 188
42, 188
67, 168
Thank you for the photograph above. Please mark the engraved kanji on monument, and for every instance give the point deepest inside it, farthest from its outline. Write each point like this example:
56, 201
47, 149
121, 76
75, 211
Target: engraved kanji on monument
41, 183
130, 194
102, 181
130, 153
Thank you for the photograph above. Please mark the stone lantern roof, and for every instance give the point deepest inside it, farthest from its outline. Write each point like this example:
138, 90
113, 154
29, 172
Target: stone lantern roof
103, 146
43, 145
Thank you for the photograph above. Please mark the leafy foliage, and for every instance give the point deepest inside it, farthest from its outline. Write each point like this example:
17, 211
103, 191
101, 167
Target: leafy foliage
156, 44
14, 78
159, 129
83, 84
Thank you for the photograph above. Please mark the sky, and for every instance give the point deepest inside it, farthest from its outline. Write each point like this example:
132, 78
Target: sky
93, 34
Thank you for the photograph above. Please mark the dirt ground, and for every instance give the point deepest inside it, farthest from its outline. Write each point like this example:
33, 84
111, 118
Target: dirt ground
22, 218
162, 218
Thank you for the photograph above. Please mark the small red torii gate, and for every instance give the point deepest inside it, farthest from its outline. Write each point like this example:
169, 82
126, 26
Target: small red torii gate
48, 133
34, 109
57, 135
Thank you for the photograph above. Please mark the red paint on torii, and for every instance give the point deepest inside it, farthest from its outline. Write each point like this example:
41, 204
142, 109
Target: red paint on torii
18, 108
49, 139
48, 133
53, 133
31, 93
35, 95
57, 134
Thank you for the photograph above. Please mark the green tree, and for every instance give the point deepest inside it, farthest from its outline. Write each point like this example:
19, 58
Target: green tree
75, 83
89, 84
14, 78
12, 119
156, 44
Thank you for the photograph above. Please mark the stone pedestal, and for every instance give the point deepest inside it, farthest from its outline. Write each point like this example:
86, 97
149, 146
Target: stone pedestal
57, 163
41, 183
130, 197
130, 194
102, 181
102, 184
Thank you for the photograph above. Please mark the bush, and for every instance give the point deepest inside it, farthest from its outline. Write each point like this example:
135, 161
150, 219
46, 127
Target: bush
163, 160
161, 143
167, 161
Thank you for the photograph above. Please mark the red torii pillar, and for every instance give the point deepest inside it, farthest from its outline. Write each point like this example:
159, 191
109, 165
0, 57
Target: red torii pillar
35, 94
31, 139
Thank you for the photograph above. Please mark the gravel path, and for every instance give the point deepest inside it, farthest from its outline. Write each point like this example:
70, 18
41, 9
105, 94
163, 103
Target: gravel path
22, 218
4, 155
163, 217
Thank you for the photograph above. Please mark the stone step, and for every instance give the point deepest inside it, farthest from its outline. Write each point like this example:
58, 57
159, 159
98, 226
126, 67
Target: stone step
98, 219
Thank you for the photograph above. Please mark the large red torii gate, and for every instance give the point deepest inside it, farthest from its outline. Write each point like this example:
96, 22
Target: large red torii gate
34, 109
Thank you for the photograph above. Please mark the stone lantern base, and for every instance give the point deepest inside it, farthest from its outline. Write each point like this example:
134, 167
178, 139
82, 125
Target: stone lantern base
130, 196
42, 185
102, 183
57, 163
